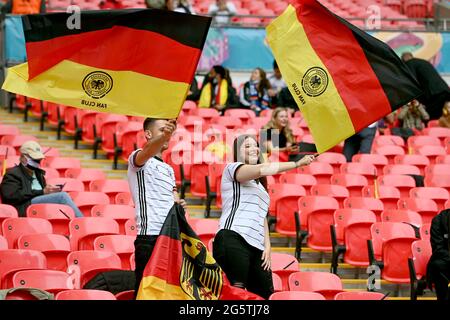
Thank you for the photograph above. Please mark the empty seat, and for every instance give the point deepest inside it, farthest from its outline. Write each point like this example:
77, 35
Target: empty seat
283, 265
431, 152
320, 170
417, 160
120, 213
7, 211
387, 140
427, 208
405, 216
403, 183
3, 243
109, 186
125, 295
419, 141
86, 200
401, 169
92, 262
349, 234
421, 254
389, 195
372, 204
122, 245
83, 231
48, 280
59, 215
124, 198
333, 158
12, 261
353, 182
443, 159
325, 283
206, 229
296, 295
85, 175
305, 180
130, 228
439, 195
378, 160
285, 204
367, 170
359, 295
13, 228
340, 193
61, 164
85, 294
438, 180
55, 247
390, 152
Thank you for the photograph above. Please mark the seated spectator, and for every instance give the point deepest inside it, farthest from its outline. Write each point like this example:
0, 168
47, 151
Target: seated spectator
277, 136
286, 100
277, 83
444, 121
184, 6
217, 91
413, 115
25, 183
194, 92
255, 93
221, 11
360, 142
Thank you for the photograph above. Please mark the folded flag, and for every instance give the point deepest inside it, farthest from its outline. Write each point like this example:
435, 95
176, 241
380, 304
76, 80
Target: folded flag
341, 78
137, 62
181, 268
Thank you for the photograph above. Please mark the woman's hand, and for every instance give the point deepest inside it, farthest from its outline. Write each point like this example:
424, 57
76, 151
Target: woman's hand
306, 160
266, 258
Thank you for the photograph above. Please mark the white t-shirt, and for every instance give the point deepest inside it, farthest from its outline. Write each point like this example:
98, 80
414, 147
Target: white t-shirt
151, 187
244, 207
223, 17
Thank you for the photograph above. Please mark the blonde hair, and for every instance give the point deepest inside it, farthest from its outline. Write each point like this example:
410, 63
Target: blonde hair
286, 130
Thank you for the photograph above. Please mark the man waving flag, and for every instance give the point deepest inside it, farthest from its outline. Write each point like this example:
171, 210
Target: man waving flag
342, 78
119, 61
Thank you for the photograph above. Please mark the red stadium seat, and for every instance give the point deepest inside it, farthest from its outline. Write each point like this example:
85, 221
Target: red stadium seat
441, 133
68, 184
425, 231
124, 198
327, 284
438, 180
3, 243
283, 265
13, 228
87, 123
419, 141
431, 152
388, 140
320, 170
378, 160
109, 186
427, 208
7, 150
296, 295
86, 200
59, 215
61, 164
51, 173
206, 229
55, 116
305, 180
277, 283
391, 244
439, 195
353, 182
390, 152
8, 130
316, 216
340, 193
365, 169
405, 216
85, 175
125, 295
335, 159
12, 261
359, 295
107, 132
92, 262
7, 211
126, 139
403, 183
16, 141
417, 160
11, 162
229, 122
389, 195
443, 159
199, 171
421, 254
122, 245
55, 247
245, 115
83, 231
261, 121
48, 280
401, 169
85, 294
120, 213
130, 228
205, 113
349, 234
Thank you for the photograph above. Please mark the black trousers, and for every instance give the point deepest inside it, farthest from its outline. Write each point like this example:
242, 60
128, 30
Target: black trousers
360, 142
143, 249
439, 271
242, 263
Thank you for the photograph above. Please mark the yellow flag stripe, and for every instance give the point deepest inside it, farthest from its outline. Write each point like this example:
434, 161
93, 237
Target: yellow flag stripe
131, 93
154, 288
326, 114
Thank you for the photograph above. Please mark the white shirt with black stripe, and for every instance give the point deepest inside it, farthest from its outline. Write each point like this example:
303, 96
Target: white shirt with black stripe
244, 207
151, 187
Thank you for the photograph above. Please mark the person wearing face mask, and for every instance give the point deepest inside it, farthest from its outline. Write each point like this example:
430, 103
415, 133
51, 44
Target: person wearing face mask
242, 245
25, 183
217, 91
255, 93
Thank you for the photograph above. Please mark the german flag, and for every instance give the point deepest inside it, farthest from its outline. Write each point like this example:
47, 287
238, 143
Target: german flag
136, 62
342, 78
181, 268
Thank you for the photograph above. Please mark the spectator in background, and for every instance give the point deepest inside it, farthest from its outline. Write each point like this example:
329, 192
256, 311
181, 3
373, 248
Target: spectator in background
194, 92
436, 90
184, 6
255, 93
25, 183
413, 115
360, 142
161, 4
217, 91
444, 121
222, 10
277, 136
24, 6
286, 100
277, 83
